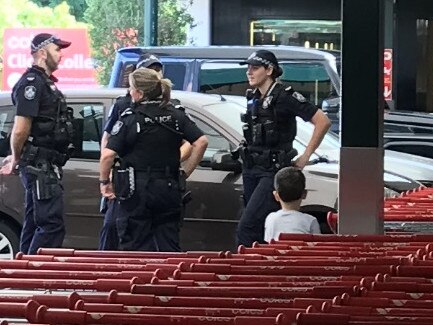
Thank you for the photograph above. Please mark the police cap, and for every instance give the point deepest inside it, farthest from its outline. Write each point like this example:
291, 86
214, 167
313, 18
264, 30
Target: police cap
148, 59
263, 58
43, 39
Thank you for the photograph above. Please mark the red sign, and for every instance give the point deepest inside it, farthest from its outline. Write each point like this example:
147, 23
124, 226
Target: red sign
76, 69
387, 74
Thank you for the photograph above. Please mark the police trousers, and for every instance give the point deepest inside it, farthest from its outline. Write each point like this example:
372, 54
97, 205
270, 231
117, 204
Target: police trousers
108, 238
43, 221
150, 219
259, 202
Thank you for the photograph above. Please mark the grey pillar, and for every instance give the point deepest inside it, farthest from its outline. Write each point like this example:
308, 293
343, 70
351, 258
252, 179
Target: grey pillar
361, 157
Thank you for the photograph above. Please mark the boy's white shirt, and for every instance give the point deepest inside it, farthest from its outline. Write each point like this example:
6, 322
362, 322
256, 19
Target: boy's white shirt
289, 221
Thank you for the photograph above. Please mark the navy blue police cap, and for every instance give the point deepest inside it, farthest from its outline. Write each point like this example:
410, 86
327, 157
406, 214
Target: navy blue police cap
43, 39
263, 58
148, 59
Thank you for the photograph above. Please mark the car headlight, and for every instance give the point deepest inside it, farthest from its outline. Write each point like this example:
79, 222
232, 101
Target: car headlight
387, 192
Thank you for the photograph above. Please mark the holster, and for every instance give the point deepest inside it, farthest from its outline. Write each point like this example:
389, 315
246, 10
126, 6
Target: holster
46, 181
123, 182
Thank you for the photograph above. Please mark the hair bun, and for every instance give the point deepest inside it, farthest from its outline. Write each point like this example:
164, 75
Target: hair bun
279, 71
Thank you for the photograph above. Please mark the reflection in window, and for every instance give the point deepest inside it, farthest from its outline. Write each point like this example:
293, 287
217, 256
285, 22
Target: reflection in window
6, 123
216, 141
228, 78
88, 126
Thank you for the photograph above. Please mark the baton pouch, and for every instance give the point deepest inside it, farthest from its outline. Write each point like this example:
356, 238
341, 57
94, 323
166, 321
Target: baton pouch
123, 182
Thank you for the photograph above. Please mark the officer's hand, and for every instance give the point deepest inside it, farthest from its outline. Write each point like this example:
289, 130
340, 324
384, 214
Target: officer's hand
301, 161
9, 165
107, 191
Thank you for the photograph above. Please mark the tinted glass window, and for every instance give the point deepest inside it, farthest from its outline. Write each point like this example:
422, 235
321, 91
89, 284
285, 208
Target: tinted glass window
6, 122
88, 123
176, 73
425, 150
310, 79
217, 142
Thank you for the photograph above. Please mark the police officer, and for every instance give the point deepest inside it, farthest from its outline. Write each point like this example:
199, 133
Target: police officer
147, 139
41, 141
269, 130
108, 238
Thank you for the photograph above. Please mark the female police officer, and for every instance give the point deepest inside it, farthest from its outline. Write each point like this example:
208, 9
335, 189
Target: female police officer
269, 130
147, 138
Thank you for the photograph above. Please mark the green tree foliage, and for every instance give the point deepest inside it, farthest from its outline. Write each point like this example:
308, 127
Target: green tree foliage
76, 7
116, 24
24, 13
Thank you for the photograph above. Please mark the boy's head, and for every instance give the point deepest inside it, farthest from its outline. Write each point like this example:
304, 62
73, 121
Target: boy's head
289, 184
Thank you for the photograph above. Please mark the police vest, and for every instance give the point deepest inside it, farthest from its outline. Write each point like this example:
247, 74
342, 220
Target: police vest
154, 125
263, 129
56, 130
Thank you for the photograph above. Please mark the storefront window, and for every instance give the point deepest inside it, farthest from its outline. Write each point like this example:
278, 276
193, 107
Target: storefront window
320, 34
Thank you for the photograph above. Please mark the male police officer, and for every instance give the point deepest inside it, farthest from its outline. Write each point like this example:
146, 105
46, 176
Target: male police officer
41, 141
109, 239
269, 130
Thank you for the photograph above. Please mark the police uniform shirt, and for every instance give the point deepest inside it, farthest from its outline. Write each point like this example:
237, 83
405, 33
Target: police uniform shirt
283, 105
152, 145
35, 94
122, 103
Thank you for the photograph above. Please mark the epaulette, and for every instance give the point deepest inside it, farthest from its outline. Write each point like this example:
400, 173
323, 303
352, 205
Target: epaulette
31, 76
127, 111
180, 107
249, 93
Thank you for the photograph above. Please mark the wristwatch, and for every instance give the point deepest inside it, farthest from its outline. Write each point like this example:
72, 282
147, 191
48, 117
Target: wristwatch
104, 181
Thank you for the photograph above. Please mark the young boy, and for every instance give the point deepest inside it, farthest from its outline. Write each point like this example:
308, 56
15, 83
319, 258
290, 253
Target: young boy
289, 184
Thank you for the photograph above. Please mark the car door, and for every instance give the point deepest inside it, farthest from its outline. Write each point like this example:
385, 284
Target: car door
83, 220
213, 213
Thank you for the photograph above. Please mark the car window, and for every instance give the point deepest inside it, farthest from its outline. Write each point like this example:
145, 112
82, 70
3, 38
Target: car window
229, 78
216, 141
88, 126
6, 122
419, 149
406, 128
176, 73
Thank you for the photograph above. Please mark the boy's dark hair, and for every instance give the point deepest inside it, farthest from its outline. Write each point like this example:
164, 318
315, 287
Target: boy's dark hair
289, 183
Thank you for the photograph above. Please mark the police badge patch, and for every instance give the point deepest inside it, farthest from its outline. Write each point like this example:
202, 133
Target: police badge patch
116, 128
299, 97
267, 102
29, 92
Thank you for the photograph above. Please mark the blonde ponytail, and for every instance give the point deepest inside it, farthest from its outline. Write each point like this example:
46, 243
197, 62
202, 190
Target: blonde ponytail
150, 83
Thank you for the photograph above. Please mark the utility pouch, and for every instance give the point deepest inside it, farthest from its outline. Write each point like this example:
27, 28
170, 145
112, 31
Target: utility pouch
29, 155
271, 134
257, 134
247, 133
123, 182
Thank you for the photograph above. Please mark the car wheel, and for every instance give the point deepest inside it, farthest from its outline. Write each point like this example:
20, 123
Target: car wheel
9, 242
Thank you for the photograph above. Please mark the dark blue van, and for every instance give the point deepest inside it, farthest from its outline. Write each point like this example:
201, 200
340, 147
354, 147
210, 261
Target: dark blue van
216, 69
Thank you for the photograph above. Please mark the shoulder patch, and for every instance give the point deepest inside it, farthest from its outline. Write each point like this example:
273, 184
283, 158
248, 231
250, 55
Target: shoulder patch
127, 111
299, 97
116, 127
180, 107
29, 92
31, 77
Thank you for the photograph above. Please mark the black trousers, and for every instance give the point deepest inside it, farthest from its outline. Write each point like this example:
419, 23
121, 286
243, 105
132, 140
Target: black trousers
150, 219
43, 221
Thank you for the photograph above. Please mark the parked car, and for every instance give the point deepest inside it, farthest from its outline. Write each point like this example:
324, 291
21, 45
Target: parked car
403, 131
216, 185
